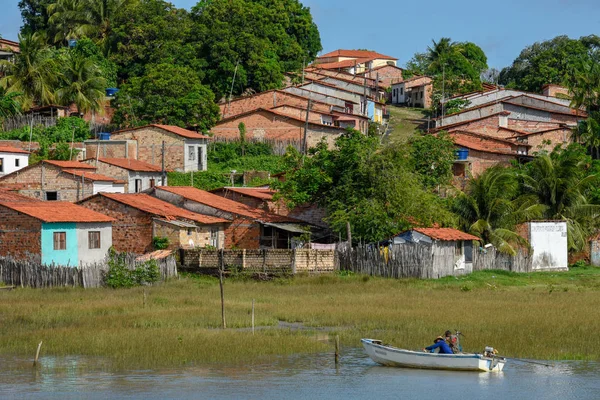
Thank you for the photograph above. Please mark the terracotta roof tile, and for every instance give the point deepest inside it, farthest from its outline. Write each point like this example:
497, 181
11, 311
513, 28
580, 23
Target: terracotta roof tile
131, 164
154, 206
70, 164
170, 128
259, 193
90, 176
223, 204
488, 144
446, 234
356, 54
10, 149
57, 211
9, 195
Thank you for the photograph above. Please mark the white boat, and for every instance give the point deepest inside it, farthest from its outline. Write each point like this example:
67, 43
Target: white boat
395, 357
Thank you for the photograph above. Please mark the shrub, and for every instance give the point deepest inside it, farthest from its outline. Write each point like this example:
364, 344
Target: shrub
160, 242
120, 276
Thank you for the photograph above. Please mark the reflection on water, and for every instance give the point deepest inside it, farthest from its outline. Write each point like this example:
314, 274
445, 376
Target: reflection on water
296, 377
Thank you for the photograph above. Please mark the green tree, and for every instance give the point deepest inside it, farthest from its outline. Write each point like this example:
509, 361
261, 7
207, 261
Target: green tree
168, 94
35, 15
561, 182
255, 40
546, 62
82, 84
491, 209
9, 105
432, 158
67, 20
33, 74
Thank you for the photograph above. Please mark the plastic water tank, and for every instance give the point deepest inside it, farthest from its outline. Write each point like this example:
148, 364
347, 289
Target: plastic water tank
111, 91
462, 154
104, 136
72, 43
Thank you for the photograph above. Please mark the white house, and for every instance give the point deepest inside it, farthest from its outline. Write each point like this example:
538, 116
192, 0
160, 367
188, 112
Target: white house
137, 175
12, 159
398, 93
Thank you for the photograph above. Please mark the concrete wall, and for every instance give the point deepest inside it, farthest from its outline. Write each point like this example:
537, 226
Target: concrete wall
332, 91
86, 254
129, 176
67, 257
549, 243
595, 252
9, 162
333, 101
477, 99
108, 187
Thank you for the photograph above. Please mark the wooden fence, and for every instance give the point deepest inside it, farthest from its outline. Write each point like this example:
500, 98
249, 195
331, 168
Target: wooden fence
31, 273
412, 260
266, 262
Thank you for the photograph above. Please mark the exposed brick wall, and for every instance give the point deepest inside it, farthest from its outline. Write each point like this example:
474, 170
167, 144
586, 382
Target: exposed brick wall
242, 233
132, 228
388, 75
20, 235
263, 125
268, 100
554, 90
480, 161
35, 180
111, 149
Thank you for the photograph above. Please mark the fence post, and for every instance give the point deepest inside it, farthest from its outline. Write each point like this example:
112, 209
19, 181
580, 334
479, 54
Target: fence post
243, 260
221, 268
294, 262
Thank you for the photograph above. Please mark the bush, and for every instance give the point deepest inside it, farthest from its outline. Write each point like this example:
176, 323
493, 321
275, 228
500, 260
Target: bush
221, 152
119, 276
160, 242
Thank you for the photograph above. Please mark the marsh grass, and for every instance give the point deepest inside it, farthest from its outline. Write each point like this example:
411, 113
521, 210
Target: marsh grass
540, 315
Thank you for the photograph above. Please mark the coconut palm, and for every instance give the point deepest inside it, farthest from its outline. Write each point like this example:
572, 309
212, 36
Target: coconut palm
490, 209
559, 181
82, 84
33, 73
9, 106
68, 20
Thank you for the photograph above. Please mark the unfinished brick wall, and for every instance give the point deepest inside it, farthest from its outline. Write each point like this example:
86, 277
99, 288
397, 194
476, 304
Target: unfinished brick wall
268, 100
20, 235
480, 161
132, 228
242, 233
547, 141
111, 149
387, 75
36, 180
264, 125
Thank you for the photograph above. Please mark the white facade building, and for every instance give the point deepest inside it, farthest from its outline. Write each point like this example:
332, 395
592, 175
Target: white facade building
12, 159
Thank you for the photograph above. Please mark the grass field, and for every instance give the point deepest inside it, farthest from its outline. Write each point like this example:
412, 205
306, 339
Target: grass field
402, 122
542, 316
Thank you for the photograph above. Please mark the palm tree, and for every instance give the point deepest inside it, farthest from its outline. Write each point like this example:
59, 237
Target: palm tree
68, 20
82, 84
490, 209
9, 106
33, 73
559, 182
440, 53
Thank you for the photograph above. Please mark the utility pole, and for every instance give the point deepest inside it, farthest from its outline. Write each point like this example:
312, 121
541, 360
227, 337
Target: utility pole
232, 83
304, 142
164, 173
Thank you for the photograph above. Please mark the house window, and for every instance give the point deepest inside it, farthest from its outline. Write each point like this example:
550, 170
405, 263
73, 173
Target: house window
60, 240
401, 91
51, 196
192, 153
214, 237
421, 95
138, 185
94, 239
190, 231
1, 164
17, 162
152, 183
458, 249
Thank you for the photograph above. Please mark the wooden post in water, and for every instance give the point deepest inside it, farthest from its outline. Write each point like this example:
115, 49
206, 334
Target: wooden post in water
221, 268
337, 350
37, 354
253, 316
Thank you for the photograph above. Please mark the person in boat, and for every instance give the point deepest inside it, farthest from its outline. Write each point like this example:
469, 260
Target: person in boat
439, 343
452, 341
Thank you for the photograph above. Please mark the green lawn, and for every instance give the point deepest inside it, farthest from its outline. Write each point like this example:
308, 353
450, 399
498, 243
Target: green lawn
402, 122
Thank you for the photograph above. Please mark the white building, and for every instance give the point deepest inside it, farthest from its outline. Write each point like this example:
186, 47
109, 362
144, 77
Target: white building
12, 159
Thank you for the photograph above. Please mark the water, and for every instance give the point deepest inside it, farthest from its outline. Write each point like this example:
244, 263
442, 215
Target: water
299, 377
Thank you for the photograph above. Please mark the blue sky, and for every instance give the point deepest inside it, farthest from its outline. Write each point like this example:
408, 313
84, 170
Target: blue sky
400, 28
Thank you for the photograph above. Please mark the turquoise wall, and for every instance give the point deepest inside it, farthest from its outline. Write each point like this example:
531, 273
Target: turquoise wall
371, 110
69, 256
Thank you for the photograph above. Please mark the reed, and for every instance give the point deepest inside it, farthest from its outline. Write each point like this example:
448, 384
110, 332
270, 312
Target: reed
538, 315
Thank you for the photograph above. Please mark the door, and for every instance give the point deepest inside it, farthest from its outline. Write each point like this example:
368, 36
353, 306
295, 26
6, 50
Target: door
200, 158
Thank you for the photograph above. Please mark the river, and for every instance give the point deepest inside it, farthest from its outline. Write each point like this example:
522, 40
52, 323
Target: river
297, 377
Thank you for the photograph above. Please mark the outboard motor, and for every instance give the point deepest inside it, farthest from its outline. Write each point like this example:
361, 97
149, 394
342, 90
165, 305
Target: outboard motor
490, 352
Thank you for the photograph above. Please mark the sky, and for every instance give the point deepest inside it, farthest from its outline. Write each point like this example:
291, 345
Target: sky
401, 28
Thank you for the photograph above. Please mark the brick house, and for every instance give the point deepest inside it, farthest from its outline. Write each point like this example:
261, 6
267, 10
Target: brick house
250, 228
138, 218
185, 150
59, 233
353, 61
60, 180
386, 75
273, 125
484, 152
12, 159
337, 103
413, 92
137, 175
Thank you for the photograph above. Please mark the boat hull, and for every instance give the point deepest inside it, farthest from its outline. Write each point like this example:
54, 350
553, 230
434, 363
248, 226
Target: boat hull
395, 357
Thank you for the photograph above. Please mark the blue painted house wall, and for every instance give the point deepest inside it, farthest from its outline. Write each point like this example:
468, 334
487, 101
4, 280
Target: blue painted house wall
370, 110
70, 255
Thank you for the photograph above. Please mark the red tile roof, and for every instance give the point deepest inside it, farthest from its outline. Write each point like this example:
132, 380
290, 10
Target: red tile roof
259, 193
356, 54
343, 64
278, 113
90, 176
10, 149
223, 204
446, 234
170, 128
57, 211
131, 164
70, 164
485, 143
163, 209
9, 195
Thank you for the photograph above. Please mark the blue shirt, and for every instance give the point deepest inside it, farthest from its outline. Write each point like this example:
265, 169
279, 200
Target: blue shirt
443, 346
